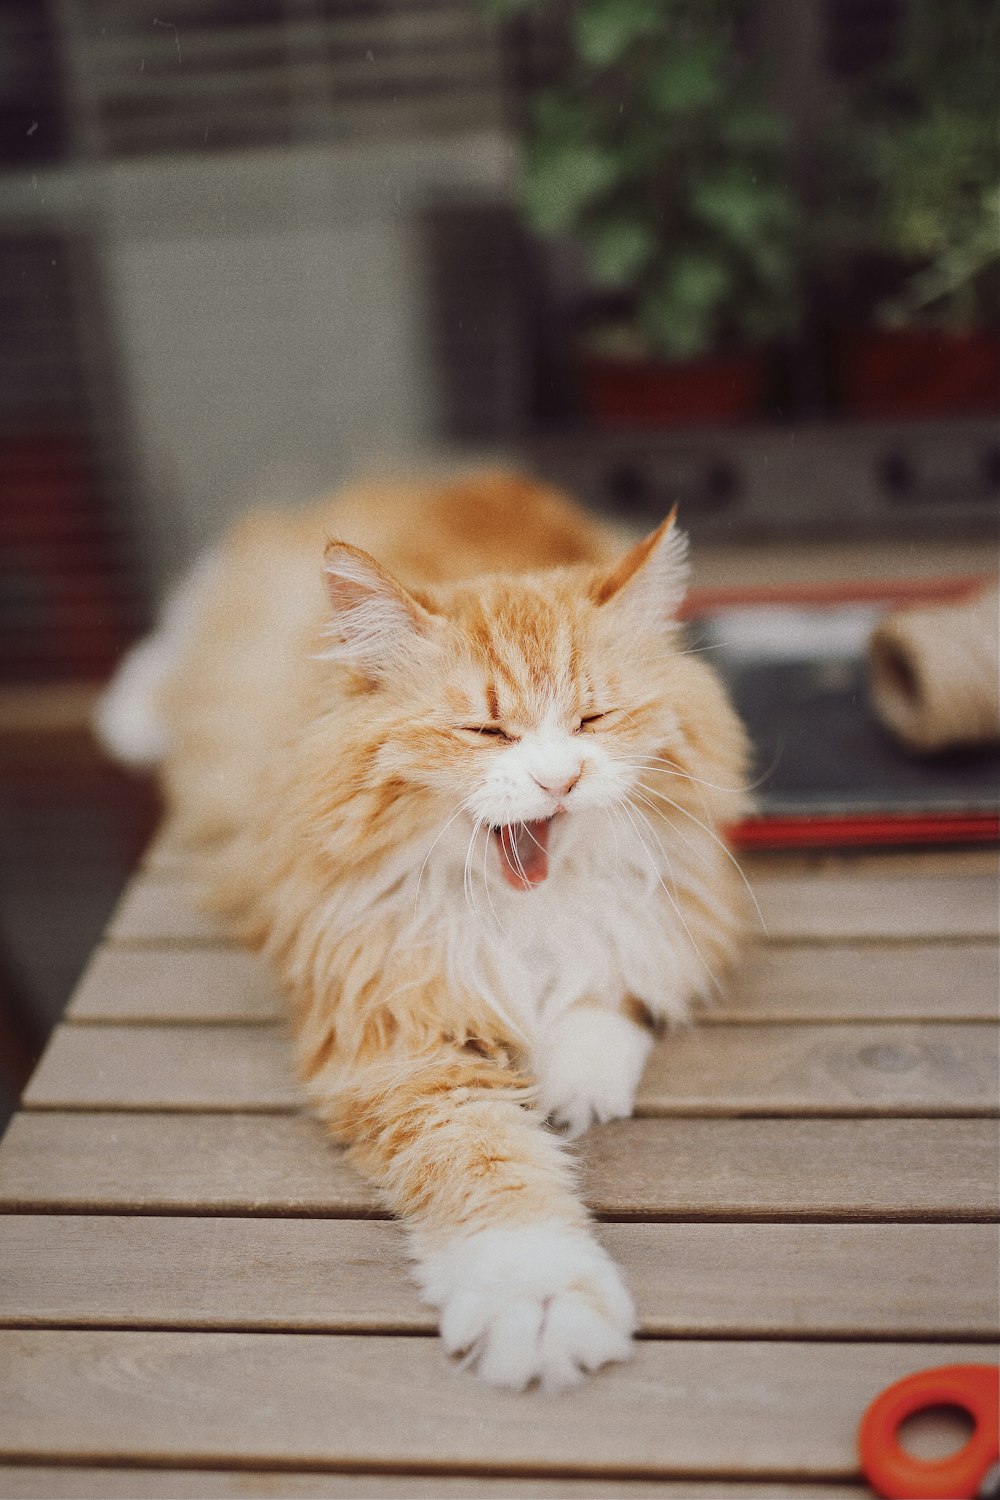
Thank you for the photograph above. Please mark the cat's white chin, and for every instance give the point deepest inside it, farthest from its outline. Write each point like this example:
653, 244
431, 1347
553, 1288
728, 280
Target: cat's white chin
541, 1303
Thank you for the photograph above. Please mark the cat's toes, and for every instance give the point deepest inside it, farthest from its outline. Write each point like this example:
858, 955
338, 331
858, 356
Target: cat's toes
589, 1066
543, 1303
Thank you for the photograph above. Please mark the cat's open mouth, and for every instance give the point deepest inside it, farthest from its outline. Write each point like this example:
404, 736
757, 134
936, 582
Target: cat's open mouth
524, 852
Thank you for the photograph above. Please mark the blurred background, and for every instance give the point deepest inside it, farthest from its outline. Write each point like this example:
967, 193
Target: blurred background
744, 256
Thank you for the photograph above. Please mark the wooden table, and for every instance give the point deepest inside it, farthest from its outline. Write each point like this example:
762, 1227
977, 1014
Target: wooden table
198, 1297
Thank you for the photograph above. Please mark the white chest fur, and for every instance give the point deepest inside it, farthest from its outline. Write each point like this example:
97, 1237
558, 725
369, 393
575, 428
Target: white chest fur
614, 917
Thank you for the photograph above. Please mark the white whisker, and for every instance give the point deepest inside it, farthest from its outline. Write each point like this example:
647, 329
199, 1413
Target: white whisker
697, 886
462, 807
532, 837
715, 839
668, 768
515, 851
467, 874
629, 808
486, 880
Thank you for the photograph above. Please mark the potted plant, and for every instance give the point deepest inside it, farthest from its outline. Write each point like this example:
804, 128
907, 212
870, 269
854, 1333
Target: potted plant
655, 154
917, 216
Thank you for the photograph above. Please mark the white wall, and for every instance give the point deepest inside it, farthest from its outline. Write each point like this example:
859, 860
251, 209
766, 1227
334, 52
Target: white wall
268, 312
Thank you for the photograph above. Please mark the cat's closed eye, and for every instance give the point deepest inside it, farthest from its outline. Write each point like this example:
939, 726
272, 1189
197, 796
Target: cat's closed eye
591, 721
488, 731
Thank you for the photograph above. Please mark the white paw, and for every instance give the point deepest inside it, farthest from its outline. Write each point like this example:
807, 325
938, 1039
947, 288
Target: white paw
543, 1303
588, 1066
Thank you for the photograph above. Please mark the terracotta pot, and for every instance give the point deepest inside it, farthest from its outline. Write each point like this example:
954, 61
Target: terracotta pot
915, 372
621, 392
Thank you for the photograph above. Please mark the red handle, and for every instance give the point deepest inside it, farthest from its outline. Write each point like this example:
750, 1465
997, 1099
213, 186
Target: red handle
896, 1474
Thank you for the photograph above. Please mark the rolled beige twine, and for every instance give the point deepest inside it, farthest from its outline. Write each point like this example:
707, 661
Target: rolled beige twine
935, 673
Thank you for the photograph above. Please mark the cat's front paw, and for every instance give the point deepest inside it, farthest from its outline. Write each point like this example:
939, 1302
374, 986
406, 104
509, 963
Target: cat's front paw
589, 1065
542, 1303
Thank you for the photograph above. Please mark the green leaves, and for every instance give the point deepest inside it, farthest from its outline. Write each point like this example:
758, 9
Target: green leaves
680, 311
657, 153
699, 280
606, 29
751, 126
688, 79
735, 202
618, 249
673, 330
505, 10
562, 179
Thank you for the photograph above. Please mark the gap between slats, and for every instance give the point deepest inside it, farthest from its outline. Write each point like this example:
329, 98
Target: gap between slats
913, 982
846, 1282
683, 1409
796, 907
929, 1170
42, 1482
718, 1071
386, 1331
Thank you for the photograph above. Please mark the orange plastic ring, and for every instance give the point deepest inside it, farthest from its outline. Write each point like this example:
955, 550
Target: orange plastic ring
897, 1475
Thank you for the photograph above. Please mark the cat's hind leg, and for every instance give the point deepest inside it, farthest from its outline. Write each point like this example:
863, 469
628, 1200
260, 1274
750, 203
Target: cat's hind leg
589, 1062
128, 718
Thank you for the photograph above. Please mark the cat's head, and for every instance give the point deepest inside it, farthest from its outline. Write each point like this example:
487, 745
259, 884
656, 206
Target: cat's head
519, 702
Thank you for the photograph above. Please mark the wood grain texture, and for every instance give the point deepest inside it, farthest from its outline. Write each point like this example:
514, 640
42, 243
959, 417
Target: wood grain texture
830, 1168
848, 1281
795, 908
262, 1164
175, 984
855, 1069
167, 858
914, 982
850, 982
727, 1070
914, 864
837, 908
166, 1067
678, 1409
44, 1483
161, 910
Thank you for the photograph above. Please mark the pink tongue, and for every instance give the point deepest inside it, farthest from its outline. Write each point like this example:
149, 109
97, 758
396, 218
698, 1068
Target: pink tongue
524, 853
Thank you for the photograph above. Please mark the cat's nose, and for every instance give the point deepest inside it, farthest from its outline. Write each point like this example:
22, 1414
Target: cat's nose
557, 785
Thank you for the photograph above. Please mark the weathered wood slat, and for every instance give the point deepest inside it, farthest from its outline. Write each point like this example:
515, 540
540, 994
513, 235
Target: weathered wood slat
259, 1164
155, 910
925, 1070
822, 864
916, 982
824, 1069
42, 1483
837, 908
680, 1408
176, 984
166, 1067
849, 1280
167, 858
844, 982
795, 908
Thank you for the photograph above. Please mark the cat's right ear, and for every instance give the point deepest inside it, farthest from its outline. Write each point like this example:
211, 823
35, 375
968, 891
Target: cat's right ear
649, 581
374, 623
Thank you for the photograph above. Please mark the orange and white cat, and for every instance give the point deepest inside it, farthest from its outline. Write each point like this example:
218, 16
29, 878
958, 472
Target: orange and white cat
455, 774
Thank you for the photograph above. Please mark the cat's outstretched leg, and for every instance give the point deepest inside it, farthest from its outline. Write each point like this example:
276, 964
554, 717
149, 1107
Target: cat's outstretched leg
502, 1244
589, 1063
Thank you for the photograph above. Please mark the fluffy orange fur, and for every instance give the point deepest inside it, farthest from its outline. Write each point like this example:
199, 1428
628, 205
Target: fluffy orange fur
338, 744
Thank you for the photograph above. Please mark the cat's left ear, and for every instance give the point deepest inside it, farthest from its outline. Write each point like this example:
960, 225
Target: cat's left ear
375, 624
651, 579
